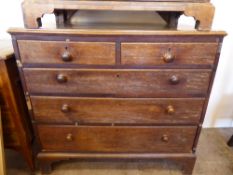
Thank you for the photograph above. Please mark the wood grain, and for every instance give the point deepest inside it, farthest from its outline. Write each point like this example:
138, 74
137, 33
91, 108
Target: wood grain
133, 97
182, 53
116, 110
117, 139
118, 83
96, 53
117, 32
2, 155
202, 13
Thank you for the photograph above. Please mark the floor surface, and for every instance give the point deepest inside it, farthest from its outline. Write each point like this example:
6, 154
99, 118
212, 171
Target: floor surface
214, 157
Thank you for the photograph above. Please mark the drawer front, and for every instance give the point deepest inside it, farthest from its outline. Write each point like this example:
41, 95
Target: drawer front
120, 83
96, 53
171, 54
117, 139
116, 110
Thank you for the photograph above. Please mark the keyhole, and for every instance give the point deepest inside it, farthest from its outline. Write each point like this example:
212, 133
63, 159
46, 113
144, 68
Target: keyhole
118, 76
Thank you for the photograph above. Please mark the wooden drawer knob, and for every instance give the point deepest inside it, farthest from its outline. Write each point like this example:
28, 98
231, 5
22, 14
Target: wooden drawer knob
69, 137
61, 78
170, 110
165, 138
65, 108
168, 57
174, 80
66, 56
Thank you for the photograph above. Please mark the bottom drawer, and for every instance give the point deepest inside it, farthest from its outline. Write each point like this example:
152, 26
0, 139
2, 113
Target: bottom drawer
117, 139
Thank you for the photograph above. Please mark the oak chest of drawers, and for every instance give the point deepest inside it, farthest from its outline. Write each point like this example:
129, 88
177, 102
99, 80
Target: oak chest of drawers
122, 95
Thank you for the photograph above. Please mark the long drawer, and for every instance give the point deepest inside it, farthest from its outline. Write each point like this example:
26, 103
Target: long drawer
118, 83
170, 54
116, 110
117, 139
96, 53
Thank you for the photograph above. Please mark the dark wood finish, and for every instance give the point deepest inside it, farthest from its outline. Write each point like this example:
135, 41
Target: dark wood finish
120, 83
117, 139
16, 125
137, 101
168, 53
96, 53
116, 110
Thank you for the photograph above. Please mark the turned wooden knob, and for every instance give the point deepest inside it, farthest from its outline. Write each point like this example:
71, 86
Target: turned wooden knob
170, 109
66, 56
174, 79
65, 108
165, 138
69, 137
168, 57
61, 78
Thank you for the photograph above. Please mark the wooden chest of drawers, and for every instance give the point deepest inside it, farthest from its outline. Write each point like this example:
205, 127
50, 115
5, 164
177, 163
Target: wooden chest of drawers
117, 94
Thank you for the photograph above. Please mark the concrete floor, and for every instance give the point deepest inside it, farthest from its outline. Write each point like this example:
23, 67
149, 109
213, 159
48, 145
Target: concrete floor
214, 157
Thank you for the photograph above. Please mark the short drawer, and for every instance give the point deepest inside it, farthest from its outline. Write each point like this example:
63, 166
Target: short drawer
118, 83
116, 110
170, 54
117, 139
96, 53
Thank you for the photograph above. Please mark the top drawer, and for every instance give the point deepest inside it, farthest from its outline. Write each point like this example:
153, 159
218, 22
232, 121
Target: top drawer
96, 53
172, 54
